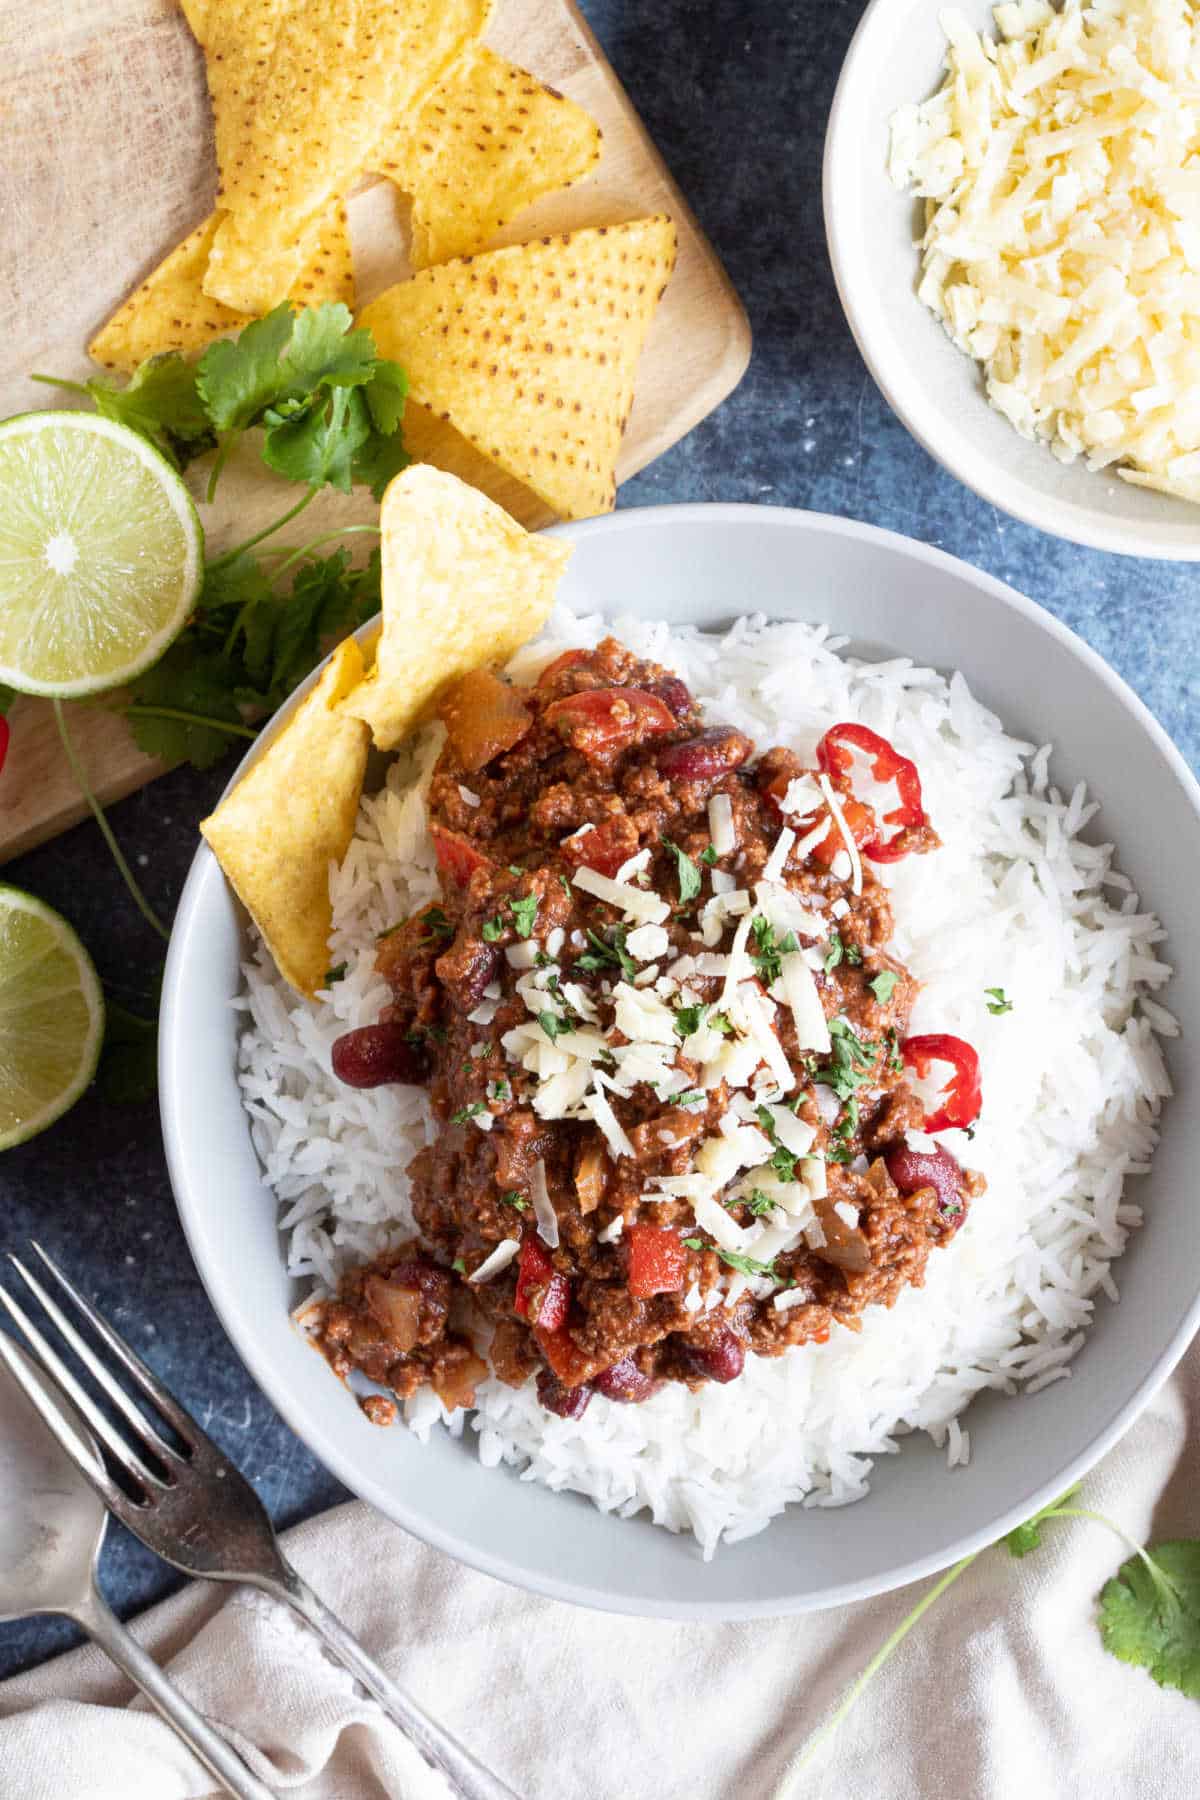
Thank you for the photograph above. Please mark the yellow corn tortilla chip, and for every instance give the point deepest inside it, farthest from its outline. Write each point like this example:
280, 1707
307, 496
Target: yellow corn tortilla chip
463, 585
171, 311
530, 352
293, 812
301, 94
489, 140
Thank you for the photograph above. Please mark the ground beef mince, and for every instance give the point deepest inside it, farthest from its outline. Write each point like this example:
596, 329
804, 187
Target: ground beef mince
581, 1007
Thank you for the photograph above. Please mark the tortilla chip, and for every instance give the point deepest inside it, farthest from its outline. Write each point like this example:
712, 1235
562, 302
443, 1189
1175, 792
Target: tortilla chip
171, 311
301, 94
463, 585
530, 352
290, 815
489, 140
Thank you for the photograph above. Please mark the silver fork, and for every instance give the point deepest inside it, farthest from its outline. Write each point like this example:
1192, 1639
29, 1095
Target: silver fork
200, 1513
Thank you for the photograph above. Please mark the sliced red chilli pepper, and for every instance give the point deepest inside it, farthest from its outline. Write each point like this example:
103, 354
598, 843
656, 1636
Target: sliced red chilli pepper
456, 856
834, 754
5, 734
601, 722
657, 1261
962, 1094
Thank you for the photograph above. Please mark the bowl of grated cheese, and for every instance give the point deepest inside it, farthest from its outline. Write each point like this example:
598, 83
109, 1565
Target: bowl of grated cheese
1012, 204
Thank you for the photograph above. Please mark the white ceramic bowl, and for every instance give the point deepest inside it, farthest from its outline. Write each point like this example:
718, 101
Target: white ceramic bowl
896, 56
705, 564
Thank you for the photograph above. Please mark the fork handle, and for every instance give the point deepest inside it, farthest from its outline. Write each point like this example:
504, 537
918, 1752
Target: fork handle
218, 1757
471, 1779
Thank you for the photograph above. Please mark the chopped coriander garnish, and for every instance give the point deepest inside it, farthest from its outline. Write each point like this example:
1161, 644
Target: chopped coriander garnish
566, 887
336, 974
839, 1155
689, 1019
768, 954
686, 1099
614, 952
551, 1024
849, 1057
745, 1265
895, 1061
467, 1112
708, 856
847, 1125
837, 951
999, 1002
761, 1204
689, 874
542, 961
459, 1266
492, 929
501, 1090
515, 1199
436, 921
515, 869
524, 913
782, 1161
694, 1244
884, 985
389, 932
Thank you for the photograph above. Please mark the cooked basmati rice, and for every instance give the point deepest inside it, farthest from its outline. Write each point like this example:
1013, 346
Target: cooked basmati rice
1073, 1081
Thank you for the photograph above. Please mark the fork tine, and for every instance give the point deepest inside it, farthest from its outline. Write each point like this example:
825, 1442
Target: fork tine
83, 1403
130, 1361
81, 1453
141, 1427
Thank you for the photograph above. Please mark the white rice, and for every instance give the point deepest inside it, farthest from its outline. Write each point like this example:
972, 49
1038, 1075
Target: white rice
1073, 1081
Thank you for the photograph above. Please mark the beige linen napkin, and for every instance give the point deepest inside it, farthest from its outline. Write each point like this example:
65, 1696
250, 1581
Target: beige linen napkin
1003, 1691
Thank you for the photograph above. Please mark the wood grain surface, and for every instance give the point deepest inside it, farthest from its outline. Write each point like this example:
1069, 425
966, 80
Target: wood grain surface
108, 161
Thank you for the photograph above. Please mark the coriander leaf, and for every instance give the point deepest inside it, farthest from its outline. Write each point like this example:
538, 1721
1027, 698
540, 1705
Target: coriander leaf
884, 985
318, 446
128, 1071
159, 402
689, 1019
467, 1112
492, 929
768, 954
524, 912
761, 1204
708, 856
193, 685
386, 394
1028, 1536
689, 874
459, 1266
513, 1198
325, 352
688, 1097
837, 951
238, 378
1150, 1615
338, 973
998, 1003
378, 461
745, 1265
551, 1024
694, 1244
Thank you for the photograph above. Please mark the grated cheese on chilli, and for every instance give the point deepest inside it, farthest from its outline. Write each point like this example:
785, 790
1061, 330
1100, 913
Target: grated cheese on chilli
1060, 171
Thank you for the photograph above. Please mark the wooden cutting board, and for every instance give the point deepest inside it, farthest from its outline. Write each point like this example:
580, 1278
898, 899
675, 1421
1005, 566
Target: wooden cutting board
108, 161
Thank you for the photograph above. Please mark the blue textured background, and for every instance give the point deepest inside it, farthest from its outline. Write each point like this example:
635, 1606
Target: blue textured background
735, 93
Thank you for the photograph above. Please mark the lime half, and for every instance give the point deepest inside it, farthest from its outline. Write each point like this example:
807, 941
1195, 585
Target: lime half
51, 1017
101, 553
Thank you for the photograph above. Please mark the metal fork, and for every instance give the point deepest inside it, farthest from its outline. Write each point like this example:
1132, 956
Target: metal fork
197, 1510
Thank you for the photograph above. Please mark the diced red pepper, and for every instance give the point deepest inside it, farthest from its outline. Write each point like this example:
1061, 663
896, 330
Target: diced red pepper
834, 754
601, 722
456, 856
962, 1094
564, 1356
606, 847
657, 1261
543, 1295
570, 659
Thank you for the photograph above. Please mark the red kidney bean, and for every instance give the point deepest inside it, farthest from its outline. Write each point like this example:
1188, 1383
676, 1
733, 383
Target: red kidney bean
568, 1403
912, 1170
375, 1054
707, 757
625, 1382
466, 969
721, 1360
676, 694
413, 1272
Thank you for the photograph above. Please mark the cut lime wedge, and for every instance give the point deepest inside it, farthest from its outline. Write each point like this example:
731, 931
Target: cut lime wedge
51, 1017
101, 554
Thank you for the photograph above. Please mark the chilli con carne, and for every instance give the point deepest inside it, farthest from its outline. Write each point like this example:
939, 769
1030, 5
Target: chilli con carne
665, 1045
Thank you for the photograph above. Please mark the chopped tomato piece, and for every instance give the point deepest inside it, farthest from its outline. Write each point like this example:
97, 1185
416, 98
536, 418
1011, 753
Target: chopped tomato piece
657, 1261
601, 722
963, 1094
571, 1365
570, 659
543, 1295
484, 717
604, 848
456, 856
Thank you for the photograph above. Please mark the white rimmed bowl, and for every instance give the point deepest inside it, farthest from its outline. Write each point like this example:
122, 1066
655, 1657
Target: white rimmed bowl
703, 565
897, 56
